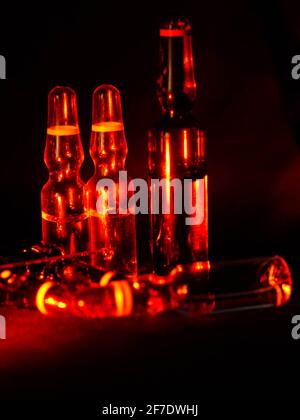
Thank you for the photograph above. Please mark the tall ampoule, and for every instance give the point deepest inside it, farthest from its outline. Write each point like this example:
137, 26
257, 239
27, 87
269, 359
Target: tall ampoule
176, 149
64, 217
111, 236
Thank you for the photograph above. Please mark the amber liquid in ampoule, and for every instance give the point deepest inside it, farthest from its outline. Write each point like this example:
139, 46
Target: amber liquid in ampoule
64, 217
173, 240
112, 237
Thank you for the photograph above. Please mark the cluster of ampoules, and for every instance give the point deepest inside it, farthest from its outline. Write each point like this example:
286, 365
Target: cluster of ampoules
61, 285
87, 264
78, 217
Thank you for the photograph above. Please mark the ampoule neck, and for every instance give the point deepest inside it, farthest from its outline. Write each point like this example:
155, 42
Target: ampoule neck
177, 120
175, 115
108, 146
63, 154
176, 83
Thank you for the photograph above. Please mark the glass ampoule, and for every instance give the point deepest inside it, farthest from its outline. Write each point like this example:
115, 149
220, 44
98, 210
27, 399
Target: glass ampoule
64, 217
111, 236
177, 150
236, 285
112, 299
78, 289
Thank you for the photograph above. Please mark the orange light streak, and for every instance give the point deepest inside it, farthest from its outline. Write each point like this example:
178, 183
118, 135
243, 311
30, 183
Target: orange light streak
40, 297
168, 170
185, 145
65, 105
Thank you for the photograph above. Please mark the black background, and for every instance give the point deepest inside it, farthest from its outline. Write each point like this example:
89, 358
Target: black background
246, 99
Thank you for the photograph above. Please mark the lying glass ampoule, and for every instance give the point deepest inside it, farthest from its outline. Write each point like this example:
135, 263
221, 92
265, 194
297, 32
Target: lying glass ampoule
238, 285
233, 286
20, 279
115, 299
23, 274
112, 297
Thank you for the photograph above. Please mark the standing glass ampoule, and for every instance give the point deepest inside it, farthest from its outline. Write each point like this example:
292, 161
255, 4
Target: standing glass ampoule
112, 237
64, 217
177, 149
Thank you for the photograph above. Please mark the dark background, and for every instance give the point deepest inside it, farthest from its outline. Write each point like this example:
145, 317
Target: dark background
250, 106
246, 99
